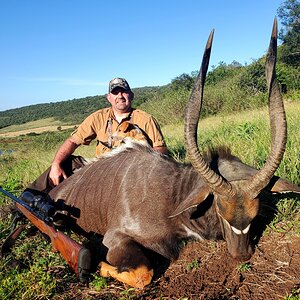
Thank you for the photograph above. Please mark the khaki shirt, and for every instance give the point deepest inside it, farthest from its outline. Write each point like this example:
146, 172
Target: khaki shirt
102, 124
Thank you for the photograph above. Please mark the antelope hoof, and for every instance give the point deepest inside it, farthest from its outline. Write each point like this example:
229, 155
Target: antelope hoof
137, 278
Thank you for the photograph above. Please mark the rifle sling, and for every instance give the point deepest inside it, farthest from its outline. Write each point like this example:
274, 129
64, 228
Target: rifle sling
11, 239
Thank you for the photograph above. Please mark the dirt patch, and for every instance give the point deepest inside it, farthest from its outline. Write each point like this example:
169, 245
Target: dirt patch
205, 270
272, 273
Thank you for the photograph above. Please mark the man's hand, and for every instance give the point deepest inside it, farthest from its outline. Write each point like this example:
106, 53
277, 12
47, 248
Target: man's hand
57, 174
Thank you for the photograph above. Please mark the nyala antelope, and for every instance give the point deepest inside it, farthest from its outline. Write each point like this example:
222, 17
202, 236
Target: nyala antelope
139, 199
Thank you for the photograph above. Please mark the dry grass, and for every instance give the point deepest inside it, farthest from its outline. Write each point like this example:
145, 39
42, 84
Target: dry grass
49, 124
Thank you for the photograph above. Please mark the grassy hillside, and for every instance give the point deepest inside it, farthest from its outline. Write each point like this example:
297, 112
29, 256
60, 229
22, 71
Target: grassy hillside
66, 112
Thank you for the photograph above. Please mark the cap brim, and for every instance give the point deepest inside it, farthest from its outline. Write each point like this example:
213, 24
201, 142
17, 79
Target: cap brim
120, 87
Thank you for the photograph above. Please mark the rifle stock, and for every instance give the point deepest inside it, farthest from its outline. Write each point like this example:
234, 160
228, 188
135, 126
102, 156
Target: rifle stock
77, 256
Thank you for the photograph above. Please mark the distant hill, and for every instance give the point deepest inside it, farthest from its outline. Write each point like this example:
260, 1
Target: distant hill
70, 111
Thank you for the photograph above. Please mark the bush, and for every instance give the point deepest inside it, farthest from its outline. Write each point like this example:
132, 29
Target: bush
168, 107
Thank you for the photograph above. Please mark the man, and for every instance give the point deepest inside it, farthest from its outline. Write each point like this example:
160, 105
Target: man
105, 125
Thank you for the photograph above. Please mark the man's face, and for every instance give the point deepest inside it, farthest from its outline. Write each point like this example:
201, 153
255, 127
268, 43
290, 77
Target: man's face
120, 100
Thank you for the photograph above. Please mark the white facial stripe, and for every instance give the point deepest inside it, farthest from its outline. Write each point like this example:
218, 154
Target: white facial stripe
237, 231
191, 233
246, 229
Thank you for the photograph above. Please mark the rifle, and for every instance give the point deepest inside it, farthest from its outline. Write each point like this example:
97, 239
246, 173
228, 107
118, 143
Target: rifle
40, 212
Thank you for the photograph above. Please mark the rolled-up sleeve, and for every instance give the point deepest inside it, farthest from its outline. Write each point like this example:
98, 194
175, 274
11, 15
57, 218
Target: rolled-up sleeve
85, 133
153, 130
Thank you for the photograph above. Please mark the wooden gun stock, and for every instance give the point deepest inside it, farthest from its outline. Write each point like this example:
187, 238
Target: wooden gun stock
77, 256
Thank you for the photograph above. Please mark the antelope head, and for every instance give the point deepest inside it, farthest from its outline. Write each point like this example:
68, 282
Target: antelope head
236, 200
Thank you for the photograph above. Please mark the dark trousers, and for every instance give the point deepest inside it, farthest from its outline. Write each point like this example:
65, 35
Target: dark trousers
43, 184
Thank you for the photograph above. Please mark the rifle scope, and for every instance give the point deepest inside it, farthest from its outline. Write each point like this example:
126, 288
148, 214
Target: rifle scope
39, 203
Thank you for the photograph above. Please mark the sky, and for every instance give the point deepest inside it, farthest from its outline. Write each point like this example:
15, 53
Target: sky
57, 50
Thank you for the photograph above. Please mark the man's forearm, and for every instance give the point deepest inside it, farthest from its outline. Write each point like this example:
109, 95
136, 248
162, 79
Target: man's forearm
65, 150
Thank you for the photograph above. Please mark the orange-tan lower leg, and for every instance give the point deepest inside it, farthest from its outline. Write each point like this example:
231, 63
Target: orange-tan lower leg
138, 278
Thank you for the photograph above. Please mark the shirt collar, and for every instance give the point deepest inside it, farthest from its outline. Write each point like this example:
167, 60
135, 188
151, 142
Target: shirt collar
127, 118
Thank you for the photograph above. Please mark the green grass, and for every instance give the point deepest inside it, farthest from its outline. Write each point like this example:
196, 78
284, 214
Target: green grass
244, 267
295, 295
32, 279
248, 136
246, 133
195, 264
98, 283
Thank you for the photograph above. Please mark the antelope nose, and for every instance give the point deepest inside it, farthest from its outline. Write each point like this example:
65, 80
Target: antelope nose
243, 256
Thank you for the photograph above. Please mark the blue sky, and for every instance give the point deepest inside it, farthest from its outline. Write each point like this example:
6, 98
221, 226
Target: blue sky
56, 50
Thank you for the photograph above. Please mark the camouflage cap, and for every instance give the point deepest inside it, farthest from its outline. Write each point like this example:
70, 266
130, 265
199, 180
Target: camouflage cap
118, 82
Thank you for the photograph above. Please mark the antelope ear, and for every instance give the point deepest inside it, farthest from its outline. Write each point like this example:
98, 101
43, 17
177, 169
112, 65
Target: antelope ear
234, 169
192, 201
278, 185
124, 126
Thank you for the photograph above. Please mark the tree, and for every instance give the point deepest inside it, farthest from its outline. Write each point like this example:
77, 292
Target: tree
289, 14
183, 81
